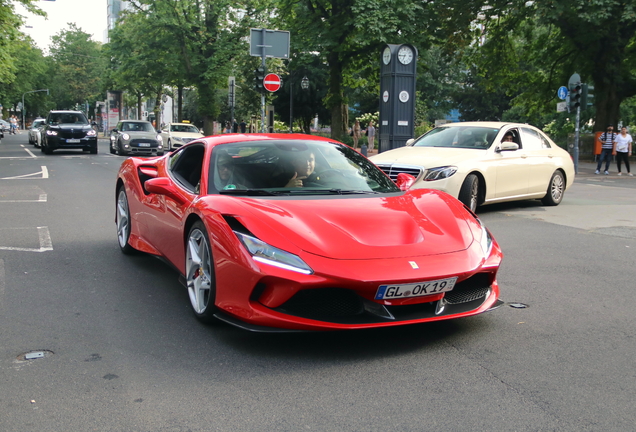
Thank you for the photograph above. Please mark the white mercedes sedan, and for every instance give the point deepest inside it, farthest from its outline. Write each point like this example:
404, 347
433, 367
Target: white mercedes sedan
483, 163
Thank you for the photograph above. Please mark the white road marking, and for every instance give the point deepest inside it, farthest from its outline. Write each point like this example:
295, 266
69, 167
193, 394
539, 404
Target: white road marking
44, 172
42, 198
28, 151
45, 242
2, 283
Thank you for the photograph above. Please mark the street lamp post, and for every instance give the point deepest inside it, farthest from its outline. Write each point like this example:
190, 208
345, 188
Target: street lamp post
24, 108
304, 84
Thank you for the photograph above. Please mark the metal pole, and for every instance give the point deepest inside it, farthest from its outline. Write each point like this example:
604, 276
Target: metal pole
263, 56
576, 140
291, 104
232, 106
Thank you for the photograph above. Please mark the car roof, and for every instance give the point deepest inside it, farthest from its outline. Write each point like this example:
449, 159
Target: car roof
135, 121
66, 111
488, 124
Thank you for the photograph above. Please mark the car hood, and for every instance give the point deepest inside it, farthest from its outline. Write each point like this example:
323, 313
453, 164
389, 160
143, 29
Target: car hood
69, 126
141, 134
186, 134
427, 157
416, 223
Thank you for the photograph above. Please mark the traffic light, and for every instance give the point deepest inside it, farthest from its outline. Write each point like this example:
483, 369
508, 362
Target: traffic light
259, 76
587, 98
575, 95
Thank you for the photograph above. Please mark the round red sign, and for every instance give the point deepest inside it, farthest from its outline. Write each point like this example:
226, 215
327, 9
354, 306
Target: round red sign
271, 82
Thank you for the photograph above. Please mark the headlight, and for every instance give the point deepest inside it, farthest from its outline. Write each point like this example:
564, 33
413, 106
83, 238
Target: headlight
91, 133
178, 139
50, 132
439, 173
159, 138
264, 253
125, 136
485, 241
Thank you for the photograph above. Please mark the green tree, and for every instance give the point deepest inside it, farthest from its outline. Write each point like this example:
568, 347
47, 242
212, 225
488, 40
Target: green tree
10, 23
77, 68
596, 39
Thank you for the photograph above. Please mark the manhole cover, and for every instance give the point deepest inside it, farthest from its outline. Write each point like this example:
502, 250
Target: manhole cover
34, 355
518, 305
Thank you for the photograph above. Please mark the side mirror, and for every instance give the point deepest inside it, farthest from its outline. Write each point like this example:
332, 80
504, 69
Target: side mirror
507, 146
404, 181
162, 186
115, 130
158, 131
410, 142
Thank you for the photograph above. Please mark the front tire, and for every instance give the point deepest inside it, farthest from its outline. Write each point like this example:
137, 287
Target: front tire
469, 192
556, 189
200, 278
123, 222
120, 150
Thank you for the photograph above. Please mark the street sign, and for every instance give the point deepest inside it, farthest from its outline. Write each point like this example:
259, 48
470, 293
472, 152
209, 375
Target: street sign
269, 43
562, 106
562, 93
271, 82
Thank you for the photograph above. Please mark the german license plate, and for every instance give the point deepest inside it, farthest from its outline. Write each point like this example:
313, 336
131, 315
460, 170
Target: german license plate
415, 290
144, 144
72, 140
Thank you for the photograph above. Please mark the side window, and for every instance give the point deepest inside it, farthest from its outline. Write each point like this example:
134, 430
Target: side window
515, 137
545, 142
531, 139
186, 167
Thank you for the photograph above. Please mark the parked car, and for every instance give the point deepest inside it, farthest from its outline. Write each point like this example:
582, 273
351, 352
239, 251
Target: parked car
298, 232
473, 162
177, 134
68, 130
35, 131
5, 126
136, 137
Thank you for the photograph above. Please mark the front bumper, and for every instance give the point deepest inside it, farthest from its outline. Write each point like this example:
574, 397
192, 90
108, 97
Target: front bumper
343, 298
86, 143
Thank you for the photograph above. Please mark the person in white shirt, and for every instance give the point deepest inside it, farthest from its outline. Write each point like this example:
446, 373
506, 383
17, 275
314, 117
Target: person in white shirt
623, 149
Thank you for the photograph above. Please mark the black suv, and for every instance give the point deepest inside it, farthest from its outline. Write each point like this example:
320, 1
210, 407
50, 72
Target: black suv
68, 130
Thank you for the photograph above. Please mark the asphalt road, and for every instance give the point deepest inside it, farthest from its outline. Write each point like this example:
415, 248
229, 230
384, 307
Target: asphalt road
122, 351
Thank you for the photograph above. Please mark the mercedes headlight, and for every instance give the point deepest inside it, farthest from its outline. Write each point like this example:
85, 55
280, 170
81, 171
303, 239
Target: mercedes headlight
267, 254
439, 173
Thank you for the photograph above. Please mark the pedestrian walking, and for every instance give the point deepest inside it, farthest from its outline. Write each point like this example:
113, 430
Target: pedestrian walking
608, 148
371, 135
14, 124
243, 126
623, 150
356, 133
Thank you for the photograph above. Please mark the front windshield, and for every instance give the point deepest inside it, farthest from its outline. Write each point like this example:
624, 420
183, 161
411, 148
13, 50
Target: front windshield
293, 167
137, 127
68, 118
473, 137
183, 128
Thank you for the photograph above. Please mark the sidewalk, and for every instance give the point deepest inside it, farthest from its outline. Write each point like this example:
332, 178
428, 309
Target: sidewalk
587, 169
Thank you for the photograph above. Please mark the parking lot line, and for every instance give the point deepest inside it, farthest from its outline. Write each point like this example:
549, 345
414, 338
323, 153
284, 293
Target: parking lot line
44, 173
45, 242
42, 198
28, 151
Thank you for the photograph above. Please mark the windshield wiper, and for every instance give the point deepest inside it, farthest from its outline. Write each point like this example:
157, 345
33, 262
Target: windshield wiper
249, 192
328, 191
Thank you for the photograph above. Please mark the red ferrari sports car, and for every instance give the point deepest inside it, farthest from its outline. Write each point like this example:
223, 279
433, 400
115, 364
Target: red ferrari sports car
274, 232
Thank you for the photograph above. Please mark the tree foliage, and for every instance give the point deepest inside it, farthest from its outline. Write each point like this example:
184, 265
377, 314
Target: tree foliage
10, 23
77, 68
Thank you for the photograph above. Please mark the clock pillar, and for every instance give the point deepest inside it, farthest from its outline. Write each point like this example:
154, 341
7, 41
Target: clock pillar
398, 66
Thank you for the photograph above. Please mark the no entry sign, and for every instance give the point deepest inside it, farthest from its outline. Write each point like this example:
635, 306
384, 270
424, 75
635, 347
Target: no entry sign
271, 82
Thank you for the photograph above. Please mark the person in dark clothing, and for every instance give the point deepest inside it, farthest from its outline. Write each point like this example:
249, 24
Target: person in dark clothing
235, 126
243, 126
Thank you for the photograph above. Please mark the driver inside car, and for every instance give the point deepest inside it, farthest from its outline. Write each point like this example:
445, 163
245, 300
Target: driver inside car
304, 165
